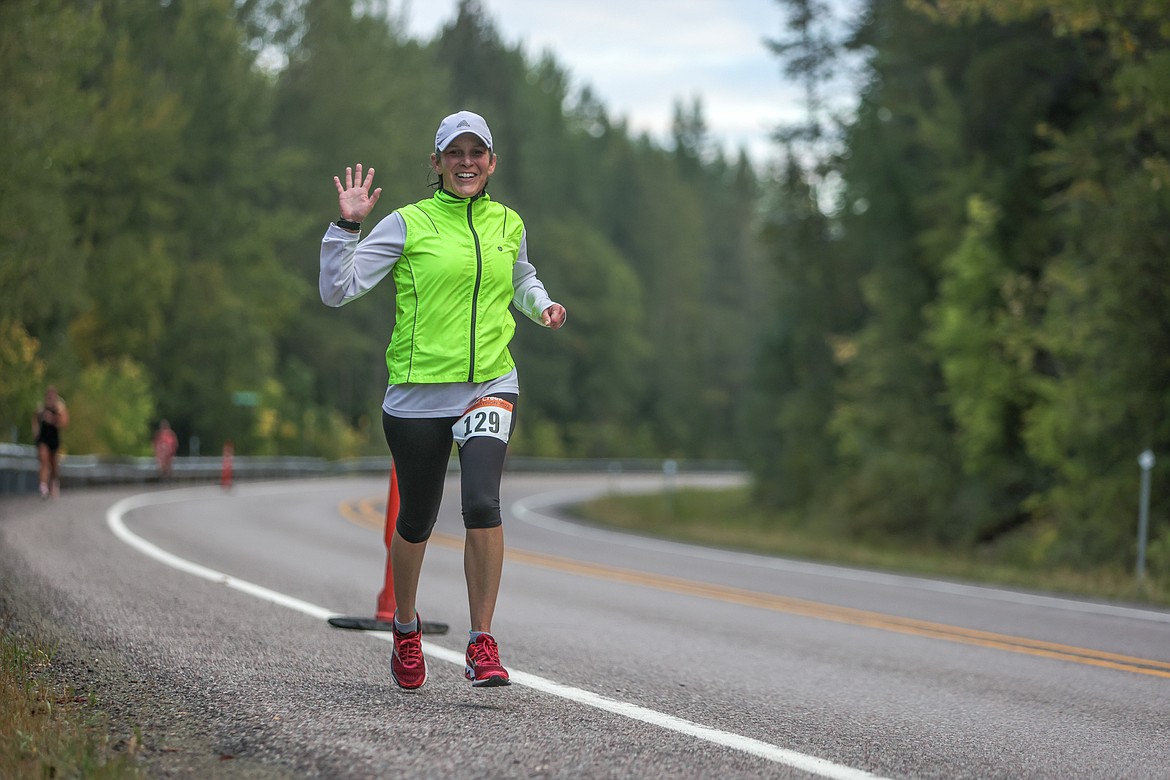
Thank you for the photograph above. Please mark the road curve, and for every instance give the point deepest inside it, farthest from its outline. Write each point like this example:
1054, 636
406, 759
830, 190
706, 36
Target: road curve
198, 615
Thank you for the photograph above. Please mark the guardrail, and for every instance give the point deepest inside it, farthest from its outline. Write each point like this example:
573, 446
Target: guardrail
19, 468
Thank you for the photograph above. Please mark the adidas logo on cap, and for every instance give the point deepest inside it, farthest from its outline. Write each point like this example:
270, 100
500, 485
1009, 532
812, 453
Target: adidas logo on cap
462, 122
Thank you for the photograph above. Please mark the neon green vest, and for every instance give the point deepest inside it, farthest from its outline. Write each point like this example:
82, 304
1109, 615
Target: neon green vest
454, 286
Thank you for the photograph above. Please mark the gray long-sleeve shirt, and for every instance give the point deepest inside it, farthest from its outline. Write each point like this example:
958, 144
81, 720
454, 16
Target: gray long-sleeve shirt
350, 268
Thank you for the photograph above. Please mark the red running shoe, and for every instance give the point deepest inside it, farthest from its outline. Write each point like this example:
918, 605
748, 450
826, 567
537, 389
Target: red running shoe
407, 665
483, 663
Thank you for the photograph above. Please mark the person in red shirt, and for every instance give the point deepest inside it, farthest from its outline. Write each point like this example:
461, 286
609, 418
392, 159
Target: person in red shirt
166, 444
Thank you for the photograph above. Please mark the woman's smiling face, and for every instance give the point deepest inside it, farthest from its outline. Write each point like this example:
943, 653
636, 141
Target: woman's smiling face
465, 165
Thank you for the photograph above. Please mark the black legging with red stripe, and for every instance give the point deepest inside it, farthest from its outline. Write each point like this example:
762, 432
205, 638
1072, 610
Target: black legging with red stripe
421, 448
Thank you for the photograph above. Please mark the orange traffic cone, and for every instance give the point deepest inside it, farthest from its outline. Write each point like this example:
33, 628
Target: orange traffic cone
383, 619
386, 603
225, 476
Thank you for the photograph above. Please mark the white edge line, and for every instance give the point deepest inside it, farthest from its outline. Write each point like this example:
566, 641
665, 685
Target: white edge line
800, 761
114, 520
527, 510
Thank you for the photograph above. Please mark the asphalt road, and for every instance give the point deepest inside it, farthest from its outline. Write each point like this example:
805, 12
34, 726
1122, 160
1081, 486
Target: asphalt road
198, 615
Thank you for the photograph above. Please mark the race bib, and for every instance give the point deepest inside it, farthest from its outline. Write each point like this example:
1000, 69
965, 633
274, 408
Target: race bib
488, 416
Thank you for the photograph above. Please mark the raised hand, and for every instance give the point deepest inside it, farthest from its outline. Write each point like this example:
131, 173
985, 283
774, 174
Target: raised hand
354, 199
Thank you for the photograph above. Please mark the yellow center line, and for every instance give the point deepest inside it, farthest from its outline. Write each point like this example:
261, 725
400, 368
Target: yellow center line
369, 513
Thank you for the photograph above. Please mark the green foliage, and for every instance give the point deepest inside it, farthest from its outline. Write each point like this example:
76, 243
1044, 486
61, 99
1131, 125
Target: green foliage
22, 374
129, 267
281, 426
586, 376
979, 382
1158, 556
45, 56
795, 377
176, 226
1009, 247
110, 410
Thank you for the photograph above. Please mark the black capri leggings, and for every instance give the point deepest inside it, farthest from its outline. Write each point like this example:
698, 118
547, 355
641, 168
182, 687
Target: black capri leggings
421, 448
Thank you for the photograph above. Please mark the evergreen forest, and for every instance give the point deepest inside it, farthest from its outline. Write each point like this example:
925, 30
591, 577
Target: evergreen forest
943, 315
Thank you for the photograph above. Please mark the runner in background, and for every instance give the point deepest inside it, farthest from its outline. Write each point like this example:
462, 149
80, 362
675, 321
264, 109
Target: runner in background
166, 444
51, 417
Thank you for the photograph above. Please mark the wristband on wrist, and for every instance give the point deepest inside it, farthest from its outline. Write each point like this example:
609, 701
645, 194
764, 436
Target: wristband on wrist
348, 224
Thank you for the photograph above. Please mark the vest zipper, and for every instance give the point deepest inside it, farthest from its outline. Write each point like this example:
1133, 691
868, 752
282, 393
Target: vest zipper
475, 292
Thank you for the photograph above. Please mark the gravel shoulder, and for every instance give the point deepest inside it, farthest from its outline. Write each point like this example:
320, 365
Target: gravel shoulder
173, 734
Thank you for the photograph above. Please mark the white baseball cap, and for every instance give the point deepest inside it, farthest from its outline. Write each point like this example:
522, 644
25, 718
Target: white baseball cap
459, 123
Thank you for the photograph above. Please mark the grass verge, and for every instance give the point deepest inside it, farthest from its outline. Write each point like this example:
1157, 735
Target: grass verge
48, 729
727, 519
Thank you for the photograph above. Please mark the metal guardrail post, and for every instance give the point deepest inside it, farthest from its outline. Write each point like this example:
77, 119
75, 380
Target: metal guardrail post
1146, 461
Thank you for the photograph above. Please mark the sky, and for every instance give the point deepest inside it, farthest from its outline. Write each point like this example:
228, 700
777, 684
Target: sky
641, 57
